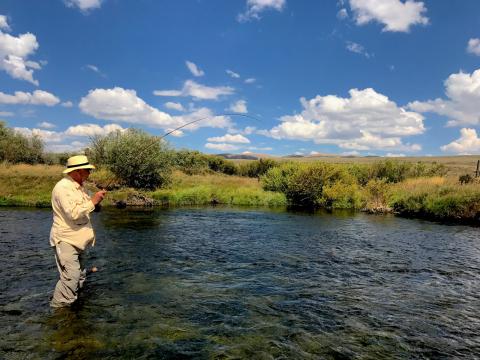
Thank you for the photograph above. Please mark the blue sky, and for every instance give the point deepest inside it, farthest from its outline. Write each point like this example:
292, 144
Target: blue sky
364, 77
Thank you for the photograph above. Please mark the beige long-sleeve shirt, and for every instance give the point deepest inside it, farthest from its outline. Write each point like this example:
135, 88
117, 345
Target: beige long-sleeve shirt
71, 214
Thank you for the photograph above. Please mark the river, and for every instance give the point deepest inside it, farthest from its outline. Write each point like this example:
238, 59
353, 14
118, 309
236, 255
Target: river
221, 283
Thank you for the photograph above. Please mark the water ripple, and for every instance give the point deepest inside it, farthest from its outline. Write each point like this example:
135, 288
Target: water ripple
217, 283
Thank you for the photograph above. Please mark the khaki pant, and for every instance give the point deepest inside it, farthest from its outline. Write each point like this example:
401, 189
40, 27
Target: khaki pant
72, 274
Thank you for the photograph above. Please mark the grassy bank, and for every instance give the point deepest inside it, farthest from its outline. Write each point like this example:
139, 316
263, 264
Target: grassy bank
216, 189
436, 198
433, 197
31, 185
27, 185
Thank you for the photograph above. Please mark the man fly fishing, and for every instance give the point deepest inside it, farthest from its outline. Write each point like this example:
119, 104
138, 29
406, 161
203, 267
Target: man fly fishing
72, 230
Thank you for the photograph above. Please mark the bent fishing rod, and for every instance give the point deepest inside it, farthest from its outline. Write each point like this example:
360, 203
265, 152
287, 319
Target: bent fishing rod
159, 138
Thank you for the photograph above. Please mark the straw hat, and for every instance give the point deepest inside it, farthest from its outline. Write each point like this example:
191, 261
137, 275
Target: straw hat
77, 162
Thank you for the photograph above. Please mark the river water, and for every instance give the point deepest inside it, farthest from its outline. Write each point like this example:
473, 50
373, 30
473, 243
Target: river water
223, 283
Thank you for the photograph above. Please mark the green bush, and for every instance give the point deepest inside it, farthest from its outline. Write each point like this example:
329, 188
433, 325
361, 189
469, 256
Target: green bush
18, 148
279, 178
190, 162
136, 158
221, 165
376, 193
341, 195
256, 168
362, 172
305, 187
56, 158
394, 171
391, 171
303, 184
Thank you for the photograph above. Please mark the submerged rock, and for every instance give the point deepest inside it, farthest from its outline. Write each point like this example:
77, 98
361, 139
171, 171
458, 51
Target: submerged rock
120, 204
134, 199
378, 210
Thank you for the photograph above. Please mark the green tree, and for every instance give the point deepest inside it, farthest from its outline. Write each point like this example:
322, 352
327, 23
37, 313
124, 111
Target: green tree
137, 159
256, 168
18, 148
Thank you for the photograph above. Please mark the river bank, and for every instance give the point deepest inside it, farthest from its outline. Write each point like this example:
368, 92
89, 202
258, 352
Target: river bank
435, 198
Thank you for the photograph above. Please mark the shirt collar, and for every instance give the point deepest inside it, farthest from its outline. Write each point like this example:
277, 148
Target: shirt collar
75, 184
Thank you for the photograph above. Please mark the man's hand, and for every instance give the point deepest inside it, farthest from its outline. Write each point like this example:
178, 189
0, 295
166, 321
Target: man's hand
98, 197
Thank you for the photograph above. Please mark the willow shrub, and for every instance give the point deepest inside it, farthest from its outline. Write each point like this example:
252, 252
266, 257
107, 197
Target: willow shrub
394, 171
17, 148
279, 178
314, 185
256, 168
190, 162
342, 195
137, 159
221, 165
376, 195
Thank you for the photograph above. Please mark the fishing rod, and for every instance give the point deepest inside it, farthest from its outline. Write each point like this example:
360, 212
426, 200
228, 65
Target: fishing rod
156, 139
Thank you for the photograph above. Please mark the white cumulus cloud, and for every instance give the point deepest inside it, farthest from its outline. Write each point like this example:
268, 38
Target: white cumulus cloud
203, 117
228, 138
463, 104
67, 104
4, 23
222, 147
74, 146
124, 105
468, 143
474, 46
256, 7
15, 52
68, 140
174, 106
38, 97
396, 15
120, 104
239, 107
46, 135
84, 5
250, 80
394, 155
194, 69
92, 130
366, 120
197, 91
46, 125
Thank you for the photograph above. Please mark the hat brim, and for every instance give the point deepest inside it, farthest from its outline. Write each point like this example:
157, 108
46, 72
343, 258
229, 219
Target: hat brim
69, 170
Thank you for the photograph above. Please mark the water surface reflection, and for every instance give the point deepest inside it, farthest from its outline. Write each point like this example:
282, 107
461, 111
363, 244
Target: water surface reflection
233, 283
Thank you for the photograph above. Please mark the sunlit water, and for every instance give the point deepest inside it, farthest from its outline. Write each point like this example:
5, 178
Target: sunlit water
217, 283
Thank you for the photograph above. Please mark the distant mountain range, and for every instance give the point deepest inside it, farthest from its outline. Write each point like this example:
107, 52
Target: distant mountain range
257, 156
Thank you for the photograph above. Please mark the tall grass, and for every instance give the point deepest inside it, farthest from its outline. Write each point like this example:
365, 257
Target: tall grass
438, 198
27, 185
216, 189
